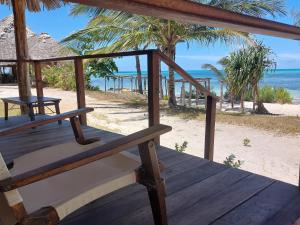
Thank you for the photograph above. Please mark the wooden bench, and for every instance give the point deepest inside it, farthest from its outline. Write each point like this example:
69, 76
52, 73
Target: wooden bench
72, 115
65, 185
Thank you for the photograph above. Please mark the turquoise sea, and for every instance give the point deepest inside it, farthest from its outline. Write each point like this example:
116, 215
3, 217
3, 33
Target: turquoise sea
287, 78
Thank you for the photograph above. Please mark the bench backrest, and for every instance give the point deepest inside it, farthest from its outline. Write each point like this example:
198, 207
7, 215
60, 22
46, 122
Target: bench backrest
44, 121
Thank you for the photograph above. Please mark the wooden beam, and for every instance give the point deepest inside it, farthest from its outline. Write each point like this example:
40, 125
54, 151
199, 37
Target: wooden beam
21, 49
191, 12
185, 75
210, 128
153, 89
80, 88
39, 84
41, 122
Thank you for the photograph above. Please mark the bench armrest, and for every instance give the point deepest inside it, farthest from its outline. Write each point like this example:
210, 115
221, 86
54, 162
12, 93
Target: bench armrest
44, 121
84, 158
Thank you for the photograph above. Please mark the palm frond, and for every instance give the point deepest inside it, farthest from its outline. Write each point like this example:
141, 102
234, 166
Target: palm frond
38, 5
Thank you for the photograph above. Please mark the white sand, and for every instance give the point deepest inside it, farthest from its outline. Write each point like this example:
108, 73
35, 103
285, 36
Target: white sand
270, 154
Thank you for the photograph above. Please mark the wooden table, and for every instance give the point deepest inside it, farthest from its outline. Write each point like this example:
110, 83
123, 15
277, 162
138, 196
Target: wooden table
31, 102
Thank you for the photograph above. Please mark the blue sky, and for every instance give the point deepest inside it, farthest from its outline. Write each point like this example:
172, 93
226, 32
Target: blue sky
59, 24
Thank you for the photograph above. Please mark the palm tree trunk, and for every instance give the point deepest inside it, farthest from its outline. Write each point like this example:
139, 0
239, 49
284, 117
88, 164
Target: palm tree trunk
242, 101
232, 100
260, 105
139, 74
161, 90
172, 97
254, 99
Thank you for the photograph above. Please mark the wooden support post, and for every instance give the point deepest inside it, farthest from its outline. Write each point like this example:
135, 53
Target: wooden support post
21, 50
183, 93
210, 128
153, 89
114, 85
166, 87
190, 95
221, 95
80, 88
161, 89
150, 177
197, 97
145, 85
136, 84
131, 84
39, 84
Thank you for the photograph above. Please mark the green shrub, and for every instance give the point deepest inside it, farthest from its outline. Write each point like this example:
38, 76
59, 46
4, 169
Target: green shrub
248, 96
182, 147
267, 94
230, 161
246, 142
60, 76
282, 96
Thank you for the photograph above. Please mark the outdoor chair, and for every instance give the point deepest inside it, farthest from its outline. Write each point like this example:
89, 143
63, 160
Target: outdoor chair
45, 186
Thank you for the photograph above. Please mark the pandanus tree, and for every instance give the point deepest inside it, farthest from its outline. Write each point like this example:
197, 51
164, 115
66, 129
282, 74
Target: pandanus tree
166, 34
245, 68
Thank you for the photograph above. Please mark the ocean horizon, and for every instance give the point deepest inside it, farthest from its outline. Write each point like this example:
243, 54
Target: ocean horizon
286, 78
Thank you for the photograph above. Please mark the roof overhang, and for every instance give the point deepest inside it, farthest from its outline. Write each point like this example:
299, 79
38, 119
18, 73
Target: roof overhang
191, 12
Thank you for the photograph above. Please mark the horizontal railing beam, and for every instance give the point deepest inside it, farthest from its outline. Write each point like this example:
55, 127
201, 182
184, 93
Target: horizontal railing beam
185, 75
195, 13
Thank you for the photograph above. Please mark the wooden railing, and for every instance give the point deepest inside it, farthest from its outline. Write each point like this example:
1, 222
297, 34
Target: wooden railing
154, 58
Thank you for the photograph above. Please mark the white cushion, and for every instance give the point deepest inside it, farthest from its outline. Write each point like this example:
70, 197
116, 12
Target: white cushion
73, 189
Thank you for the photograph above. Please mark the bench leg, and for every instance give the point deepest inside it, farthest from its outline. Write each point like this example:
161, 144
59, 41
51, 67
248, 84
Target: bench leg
6, 110
79, 136
57, 110
31, 112
152, 180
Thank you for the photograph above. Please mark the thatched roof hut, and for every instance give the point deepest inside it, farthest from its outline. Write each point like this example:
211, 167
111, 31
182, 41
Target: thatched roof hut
40, 46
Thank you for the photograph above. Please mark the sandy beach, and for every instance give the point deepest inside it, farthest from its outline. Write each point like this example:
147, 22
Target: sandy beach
269, 154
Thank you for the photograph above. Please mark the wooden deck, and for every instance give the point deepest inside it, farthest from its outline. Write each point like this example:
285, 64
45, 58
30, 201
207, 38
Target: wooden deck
199, 192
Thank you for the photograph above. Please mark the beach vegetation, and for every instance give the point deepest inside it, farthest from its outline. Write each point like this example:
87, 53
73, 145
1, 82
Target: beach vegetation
246, 142
128, 31
267, 94
182, 147
282, 96
60, 76
232, 162
243, 70
94, 68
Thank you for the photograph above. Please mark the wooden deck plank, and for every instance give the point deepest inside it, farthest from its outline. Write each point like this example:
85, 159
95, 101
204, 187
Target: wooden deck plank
262, 206
198, 191
187, 197
288, 214
215, 206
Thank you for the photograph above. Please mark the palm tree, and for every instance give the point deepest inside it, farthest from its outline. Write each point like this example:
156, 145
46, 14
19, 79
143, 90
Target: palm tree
37, 5
166, 34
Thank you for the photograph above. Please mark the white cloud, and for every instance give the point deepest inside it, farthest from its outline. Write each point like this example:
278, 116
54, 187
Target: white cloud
200, 57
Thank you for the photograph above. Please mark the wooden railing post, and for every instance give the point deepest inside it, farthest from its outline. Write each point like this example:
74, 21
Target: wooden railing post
39, 83
153, 89
210, 128
80, 87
